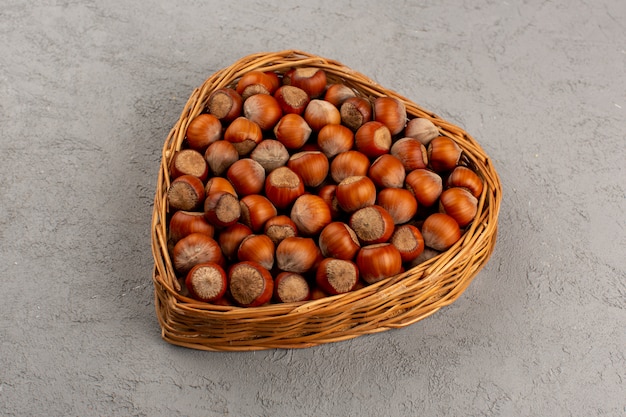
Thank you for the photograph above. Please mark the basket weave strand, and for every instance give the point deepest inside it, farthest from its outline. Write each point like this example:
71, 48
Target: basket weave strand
392, 303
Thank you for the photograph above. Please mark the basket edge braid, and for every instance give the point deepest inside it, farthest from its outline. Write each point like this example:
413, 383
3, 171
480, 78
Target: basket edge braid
392, 303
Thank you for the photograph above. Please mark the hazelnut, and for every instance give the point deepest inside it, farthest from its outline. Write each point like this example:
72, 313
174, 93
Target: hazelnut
310, 213
290, 287
337, 276
250, 284
355, 192
373, 139
379, 261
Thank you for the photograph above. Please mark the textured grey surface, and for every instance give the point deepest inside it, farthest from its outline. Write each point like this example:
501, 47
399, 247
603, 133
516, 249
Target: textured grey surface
88, 93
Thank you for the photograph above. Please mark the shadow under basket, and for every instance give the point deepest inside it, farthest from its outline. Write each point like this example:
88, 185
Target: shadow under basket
391, 303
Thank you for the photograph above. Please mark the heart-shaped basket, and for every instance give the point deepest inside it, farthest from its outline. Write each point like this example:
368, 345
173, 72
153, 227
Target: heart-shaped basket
391, 303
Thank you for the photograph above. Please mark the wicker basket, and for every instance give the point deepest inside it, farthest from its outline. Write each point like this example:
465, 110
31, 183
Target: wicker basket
392, 303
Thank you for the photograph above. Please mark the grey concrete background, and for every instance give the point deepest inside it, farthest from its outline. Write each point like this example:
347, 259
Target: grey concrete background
88, 93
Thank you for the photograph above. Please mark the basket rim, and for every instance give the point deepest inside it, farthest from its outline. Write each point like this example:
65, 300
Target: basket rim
483, 229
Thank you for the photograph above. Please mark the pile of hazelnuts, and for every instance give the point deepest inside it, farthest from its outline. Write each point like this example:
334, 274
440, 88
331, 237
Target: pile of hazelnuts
289, 187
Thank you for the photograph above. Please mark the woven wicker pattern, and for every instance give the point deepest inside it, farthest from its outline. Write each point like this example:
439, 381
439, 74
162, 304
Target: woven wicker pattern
392, 303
